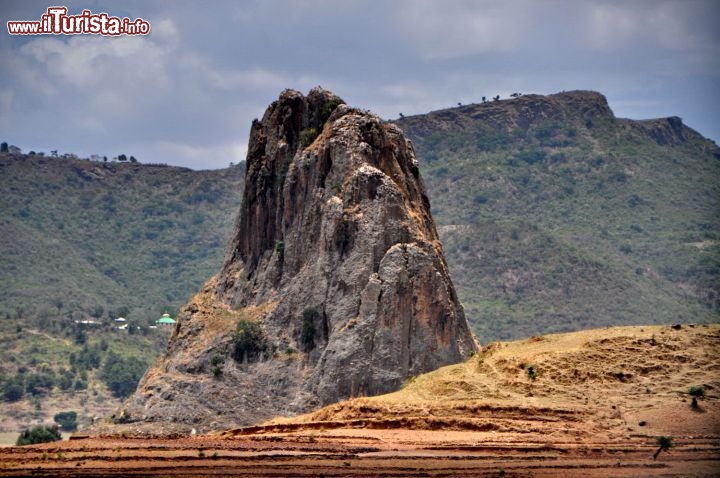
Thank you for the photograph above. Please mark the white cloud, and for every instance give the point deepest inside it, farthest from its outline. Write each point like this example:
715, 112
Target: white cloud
197, 156
234, 80
87, 61
457, 29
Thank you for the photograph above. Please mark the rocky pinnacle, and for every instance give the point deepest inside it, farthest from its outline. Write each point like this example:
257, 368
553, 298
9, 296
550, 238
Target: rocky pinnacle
334, 257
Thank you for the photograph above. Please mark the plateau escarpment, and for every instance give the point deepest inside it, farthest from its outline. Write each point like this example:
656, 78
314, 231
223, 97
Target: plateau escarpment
333, 285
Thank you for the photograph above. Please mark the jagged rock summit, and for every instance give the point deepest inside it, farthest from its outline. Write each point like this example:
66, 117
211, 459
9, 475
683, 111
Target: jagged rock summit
334, 272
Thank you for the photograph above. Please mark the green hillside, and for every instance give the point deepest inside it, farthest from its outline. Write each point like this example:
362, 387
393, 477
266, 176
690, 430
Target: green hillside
90, 241
78, 236
557, 216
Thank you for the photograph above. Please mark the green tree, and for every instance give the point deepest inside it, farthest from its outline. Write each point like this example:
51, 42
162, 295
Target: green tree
80, 336
97, 311
14, 389
697, 393
665, 443
3, 147
121, 375
39, 384
249, 341
65, 380
307, 331
39, 434
67, 420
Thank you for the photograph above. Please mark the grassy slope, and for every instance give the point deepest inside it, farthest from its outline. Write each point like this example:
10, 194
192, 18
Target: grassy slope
76, 235
555, 216
614, 383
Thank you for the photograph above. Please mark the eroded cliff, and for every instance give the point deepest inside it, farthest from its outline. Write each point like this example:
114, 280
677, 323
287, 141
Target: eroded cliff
334, 271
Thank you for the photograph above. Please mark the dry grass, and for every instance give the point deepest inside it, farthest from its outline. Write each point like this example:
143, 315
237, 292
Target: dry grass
593, 383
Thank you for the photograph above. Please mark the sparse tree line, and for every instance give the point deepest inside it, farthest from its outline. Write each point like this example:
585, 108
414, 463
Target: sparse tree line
484, 99
5, 148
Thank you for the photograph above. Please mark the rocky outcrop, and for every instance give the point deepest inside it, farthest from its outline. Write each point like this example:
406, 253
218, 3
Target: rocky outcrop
334, 267
665, 131
507, 116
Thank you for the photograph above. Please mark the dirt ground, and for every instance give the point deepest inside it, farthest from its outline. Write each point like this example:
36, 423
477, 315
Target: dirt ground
351, 452
593, 407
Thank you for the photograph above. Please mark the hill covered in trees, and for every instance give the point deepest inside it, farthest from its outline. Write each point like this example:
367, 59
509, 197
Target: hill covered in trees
556, 216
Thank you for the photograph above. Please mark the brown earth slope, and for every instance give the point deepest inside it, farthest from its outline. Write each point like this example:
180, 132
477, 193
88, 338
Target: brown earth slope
597, 403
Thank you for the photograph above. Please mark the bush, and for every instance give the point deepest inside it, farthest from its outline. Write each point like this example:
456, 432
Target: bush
88, 358
327, 108
480, 199
14, 389
665, 443
39, 434
279, 247
531, 156
307, 136
531, 371
39, 384
697, 393
121, 375
217, 361
65, 381
67, 420
249, 341
307, 332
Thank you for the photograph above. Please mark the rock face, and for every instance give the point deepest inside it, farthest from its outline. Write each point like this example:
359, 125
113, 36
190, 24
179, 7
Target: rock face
335, 266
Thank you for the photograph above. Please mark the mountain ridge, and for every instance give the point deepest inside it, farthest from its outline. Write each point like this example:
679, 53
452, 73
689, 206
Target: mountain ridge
542, 197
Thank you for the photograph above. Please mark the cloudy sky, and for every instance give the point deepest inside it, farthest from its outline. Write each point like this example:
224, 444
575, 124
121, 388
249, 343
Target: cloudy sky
186, 94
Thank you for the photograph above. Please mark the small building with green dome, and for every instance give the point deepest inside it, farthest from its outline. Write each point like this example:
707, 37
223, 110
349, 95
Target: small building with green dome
165, 320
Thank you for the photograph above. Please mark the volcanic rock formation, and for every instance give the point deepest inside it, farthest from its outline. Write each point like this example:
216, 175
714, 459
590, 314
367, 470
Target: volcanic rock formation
334, 273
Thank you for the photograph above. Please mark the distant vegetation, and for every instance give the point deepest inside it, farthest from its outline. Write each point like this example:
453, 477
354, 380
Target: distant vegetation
308, 330
307, 136
121, 375
39, 434
697, 393
67, 420
249, 342
665, 443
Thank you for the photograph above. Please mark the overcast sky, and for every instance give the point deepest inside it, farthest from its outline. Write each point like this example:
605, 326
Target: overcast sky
186, 93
